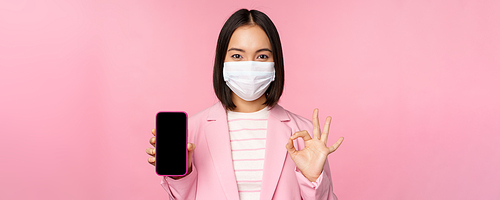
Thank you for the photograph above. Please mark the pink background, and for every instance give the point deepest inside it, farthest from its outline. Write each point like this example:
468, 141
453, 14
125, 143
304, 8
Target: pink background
413, 86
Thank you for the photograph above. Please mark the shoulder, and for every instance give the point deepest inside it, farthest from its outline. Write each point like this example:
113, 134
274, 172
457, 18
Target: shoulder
214, 112
201, 115
198, 121
300, 121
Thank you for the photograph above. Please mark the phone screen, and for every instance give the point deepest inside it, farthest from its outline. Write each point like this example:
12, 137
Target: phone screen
171, 144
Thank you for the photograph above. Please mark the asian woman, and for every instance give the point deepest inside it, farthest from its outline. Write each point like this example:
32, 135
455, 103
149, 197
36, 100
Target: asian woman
246, 145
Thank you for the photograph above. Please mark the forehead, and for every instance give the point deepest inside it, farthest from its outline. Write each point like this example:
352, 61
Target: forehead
249, 37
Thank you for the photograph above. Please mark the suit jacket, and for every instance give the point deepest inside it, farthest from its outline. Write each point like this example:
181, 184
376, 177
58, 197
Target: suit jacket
213, 176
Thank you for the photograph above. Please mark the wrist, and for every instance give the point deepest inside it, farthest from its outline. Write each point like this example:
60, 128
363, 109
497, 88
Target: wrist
311, 178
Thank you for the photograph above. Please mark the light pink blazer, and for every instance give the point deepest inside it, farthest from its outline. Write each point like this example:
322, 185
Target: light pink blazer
213, 174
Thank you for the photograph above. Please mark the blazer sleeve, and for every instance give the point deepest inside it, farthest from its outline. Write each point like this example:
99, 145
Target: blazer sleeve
322, 189
184, 188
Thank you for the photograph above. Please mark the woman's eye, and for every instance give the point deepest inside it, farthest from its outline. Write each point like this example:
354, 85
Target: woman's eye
238, 56
263, 56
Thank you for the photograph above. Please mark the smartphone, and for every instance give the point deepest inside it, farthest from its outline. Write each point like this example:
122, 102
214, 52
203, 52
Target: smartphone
171, 155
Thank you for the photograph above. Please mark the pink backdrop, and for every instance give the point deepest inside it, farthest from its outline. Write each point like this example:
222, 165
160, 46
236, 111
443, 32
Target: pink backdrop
413, 86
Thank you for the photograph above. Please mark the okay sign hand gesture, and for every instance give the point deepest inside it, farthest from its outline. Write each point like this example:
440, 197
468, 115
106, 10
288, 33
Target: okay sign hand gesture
311, 159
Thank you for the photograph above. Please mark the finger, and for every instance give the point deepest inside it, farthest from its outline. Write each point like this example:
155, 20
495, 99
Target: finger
326, 129
316, 130
153, 131
151, 151
303, 134
191, 147
152, 141
151, 160
336, 145
289, 147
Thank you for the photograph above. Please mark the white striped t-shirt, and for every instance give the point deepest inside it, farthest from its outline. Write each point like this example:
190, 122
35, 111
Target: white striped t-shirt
247, 133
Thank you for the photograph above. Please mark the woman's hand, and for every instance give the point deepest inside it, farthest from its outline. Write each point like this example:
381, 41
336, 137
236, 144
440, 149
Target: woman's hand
311, 159
151, 152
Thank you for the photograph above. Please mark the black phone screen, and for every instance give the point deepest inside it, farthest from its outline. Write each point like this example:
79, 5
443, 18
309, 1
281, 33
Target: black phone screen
171, 144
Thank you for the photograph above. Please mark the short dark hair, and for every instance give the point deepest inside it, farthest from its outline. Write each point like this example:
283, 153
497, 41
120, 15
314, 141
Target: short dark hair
240, 18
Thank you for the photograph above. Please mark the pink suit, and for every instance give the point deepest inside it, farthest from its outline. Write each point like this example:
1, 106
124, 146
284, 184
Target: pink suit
213, 174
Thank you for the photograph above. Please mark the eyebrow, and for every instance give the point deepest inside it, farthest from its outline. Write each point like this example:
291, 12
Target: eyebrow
237, 49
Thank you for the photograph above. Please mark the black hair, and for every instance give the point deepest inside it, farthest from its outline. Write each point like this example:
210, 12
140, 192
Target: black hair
240, 18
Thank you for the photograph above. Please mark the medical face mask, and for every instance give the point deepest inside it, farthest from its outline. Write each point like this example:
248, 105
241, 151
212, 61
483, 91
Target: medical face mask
248, 79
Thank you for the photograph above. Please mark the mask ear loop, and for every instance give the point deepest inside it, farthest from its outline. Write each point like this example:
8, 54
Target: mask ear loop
274, 71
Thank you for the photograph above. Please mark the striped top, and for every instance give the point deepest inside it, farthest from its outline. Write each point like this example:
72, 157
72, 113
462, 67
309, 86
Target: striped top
247, 133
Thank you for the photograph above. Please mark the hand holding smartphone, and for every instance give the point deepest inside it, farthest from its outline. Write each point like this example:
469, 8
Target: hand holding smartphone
171, 152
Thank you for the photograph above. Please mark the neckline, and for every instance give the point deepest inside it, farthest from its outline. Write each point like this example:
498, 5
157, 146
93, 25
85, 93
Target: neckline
245, 113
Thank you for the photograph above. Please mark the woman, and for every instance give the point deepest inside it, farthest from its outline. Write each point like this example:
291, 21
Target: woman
245, 143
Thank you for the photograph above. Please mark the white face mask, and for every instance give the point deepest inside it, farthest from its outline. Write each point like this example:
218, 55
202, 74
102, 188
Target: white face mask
248, 79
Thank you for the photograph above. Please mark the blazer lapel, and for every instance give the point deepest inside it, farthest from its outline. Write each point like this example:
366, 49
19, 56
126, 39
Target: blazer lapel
217, 136
277, 137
